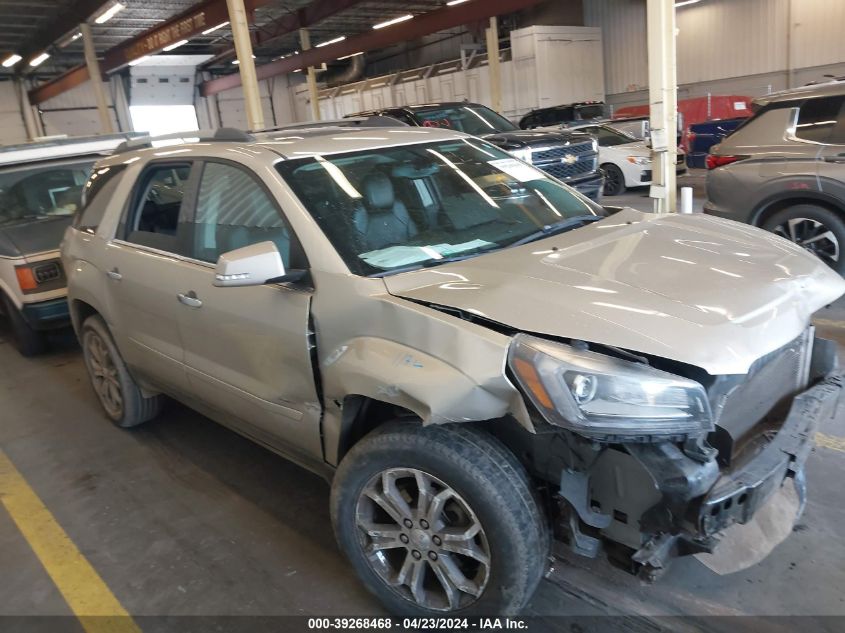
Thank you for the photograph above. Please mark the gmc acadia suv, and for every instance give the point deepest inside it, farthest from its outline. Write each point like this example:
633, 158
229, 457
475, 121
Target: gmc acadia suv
474, 355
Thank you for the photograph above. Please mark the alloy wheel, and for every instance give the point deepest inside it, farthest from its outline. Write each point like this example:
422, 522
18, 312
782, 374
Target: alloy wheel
423, 539
813, 236
104, 375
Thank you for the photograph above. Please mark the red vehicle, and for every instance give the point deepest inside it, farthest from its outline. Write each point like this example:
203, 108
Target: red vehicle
697, 110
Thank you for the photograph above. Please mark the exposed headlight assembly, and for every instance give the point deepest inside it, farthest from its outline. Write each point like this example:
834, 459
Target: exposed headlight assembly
639, 160
600, 396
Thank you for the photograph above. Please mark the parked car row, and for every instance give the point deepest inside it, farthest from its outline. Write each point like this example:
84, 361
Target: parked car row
571, 157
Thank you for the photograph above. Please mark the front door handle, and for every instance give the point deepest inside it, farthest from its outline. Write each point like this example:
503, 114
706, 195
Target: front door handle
114, 273
190, 299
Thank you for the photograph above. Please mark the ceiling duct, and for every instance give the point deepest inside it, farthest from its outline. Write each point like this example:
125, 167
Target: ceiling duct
353, 71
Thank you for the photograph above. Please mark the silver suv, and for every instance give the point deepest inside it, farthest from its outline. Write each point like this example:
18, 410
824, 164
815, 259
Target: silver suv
475, 356
784, 170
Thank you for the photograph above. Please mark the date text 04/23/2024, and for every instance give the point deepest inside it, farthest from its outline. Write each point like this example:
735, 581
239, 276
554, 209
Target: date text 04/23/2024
418, 624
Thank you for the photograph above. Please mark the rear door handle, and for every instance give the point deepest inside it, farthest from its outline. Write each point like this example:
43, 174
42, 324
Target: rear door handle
839, 158
190, 300
114, 273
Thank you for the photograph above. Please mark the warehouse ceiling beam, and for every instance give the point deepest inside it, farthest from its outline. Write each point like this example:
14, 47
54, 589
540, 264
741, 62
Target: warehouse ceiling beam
423, 24
76, 13
189, 23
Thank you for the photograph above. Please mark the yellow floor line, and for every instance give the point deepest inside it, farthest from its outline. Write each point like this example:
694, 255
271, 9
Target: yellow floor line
831, 441
84, 591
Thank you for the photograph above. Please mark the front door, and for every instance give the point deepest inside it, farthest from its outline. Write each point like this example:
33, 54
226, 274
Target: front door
247, 349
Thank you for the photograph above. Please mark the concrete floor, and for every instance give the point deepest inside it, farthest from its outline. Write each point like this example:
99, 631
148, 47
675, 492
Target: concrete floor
183, 517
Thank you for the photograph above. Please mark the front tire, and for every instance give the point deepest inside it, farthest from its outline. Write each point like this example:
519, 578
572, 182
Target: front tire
614, 180
440, 519
816, 229
27, 341
117, 391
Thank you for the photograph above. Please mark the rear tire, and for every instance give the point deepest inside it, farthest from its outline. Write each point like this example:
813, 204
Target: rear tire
817, 229
474, 542
27, 341
614, 180
117, 391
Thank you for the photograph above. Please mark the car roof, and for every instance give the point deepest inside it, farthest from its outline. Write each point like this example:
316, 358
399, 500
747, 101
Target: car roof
296, 142
827, 89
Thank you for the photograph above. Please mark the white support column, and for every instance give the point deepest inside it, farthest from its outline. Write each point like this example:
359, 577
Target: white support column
663, 99
305, 42
246, 64
495, 67
96, 78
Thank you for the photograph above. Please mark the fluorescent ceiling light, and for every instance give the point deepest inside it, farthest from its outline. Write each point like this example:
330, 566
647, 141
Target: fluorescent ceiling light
401, 18
334, 41
352, 55
109, 13
40, 59
135, 62
175, 45
214, 28
11, 60
685, 3
452, 3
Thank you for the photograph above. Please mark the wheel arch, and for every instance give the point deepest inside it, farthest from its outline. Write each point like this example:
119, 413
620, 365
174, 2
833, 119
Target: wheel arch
779, 202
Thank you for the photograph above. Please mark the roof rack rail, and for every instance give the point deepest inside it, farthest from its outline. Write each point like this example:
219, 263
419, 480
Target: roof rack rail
220, 134
361, 121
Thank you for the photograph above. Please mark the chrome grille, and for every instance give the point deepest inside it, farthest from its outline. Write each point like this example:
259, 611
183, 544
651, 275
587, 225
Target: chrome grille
564, 171
558, 152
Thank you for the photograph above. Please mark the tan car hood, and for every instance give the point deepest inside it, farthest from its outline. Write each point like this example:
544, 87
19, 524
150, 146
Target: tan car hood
709, 292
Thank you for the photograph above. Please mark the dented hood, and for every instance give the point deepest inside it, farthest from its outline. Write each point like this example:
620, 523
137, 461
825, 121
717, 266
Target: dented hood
701, 290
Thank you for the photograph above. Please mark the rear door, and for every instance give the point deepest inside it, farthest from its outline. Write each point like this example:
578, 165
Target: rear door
144, 264
248, 349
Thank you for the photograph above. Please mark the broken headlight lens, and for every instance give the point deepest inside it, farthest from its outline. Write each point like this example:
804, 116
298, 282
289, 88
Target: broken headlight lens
598, 395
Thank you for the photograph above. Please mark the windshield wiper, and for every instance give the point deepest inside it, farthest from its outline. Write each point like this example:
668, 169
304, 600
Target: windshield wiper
557, 228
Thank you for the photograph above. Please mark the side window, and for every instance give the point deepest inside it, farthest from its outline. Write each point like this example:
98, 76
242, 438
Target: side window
156, 220
96, 195
817, 119
233, 210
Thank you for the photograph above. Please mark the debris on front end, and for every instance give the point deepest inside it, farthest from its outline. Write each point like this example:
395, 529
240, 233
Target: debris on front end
728, 493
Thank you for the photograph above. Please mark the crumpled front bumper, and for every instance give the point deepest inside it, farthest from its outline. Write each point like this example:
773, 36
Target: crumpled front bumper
737, 495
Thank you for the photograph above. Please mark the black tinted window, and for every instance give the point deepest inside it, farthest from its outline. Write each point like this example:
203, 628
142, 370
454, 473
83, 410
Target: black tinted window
817, 118
96, 196
233, 211
156, 221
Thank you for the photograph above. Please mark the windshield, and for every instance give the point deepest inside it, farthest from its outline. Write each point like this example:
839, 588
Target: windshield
609, 136
591, 112
472, 119
419, 205
42, 191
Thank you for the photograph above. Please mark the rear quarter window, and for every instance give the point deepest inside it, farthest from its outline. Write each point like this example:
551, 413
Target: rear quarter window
817, 119
96, 196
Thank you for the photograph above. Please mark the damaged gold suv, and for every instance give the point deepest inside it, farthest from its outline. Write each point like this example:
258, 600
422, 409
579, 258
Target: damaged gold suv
477, 356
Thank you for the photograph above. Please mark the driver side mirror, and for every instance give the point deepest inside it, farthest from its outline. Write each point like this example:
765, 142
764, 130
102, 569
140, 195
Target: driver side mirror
253, 265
